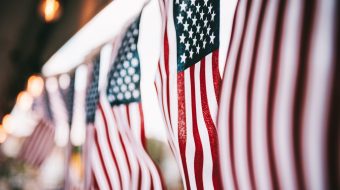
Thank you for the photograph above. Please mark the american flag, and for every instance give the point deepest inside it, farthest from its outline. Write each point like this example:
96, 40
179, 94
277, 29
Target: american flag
40, 143
279, 111
188, 83
92, 96
119, 159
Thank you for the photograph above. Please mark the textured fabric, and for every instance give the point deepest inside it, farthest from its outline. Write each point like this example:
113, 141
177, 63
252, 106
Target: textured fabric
188, 82
119, 159
280, 96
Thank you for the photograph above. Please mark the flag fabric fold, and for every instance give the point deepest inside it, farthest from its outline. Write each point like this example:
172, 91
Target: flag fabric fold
278, 102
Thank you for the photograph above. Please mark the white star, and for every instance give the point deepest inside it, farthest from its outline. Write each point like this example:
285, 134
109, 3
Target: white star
198, 49
190, 33
205, 22
187, 46
183, 6
213, 16
189, 13
191, 53
208, 30
186, 26
198, 6
205, 2
194, 20
209, 8
177, 1
198, 28
201, 14
183, 58
182, 38
180, 19
212, 37
194, 41
193, 2
201, 35
204, 42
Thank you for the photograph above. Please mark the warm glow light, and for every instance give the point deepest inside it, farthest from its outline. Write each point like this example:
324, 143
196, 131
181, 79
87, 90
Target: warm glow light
35, 85
50, 10
24, 100
3, 135
6, 122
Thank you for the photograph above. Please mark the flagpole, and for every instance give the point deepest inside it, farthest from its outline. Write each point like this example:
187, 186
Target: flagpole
103, 28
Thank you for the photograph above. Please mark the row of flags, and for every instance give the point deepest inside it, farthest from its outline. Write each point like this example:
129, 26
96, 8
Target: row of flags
269, 121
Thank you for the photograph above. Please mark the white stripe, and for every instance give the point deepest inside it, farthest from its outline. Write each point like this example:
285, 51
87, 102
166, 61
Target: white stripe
260, 97
135, 120
318, 93
117, 146
132, 154
106, 153
210, 90
98, 169
227, 12
202, 129
283, 141
190, 142
240, 105
223, 119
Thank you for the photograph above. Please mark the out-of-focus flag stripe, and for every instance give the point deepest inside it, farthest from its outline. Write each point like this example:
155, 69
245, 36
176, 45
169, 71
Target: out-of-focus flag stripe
38, 145
277, 97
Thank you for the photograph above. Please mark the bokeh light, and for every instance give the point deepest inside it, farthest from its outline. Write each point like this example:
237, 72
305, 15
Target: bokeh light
24, 100
35, 85
3, 134
50, 10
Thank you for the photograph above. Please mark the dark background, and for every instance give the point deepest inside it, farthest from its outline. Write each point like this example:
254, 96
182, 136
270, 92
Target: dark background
27, 42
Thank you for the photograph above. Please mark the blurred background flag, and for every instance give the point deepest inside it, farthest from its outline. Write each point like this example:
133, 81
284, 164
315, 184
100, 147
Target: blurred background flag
120, 155
92, 96
40, 143
279, 111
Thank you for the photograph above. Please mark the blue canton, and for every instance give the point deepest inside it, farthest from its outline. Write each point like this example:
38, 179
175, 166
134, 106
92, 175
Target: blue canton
92, 94
124, 77
197, 30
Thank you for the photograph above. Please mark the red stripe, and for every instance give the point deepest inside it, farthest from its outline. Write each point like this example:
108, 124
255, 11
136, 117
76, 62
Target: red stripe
102, 160
211, 128
166, 61
109, 142
128, 115
182, 133
198, 144
332, 131
300, 90
216, 74
272, 92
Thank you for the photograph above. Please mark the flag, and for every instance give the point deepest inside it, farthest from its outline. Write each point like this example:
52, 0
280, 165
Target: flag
280, 96
92, 96
36, 147
188, 83
119, 159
